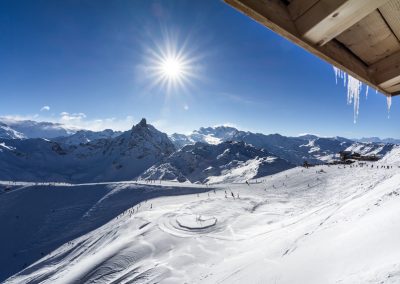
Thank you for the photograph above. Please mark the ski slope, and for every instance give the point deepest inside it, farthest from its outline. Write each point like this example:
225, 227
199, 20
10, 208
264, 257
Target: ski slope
326, 224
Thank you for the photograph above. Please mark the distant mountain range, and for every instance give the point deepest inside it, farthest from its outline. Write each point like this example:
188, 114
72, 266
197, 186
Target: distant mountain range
42, 151
293, 149
378, 140
121, 158
19, 129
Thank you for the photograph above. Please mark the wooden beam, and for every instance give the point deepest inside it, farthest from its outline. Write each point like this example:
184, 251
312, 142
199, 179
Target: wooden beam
275, 16
371, 39
329, 18
394, 89
386, 72
390, 11
270, 13
299, 7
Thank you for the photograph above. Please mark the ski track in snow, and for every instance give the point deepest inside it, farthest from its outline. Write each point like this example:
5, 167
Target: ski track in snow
338, 225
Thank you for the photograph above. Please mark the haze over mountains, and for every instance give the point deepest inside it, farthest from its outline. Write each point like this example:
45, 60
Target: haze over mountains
44, 151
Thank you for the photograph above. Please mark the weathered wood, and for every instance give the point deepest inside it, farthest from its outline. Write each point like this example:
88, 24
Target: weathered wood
327, 18
386, 72
391, 12
299, 7
394, 89
270, 13
371, 39
275, 16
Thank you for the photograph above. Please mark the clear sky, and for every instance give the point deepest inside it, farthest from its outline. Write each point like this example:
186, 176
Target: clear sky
95, 64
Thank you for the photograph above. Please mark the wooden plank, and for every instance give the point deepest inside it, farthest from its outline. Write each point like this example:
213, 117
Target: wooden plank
391, 12
299, 7
270, 13
266, 11
386, 72
327, 18
370, 39
394, 89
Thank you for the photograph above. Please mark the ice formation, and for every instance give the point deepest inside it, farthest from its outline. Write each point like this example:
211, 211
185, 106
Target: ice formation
353, 94
353, 89
389, 104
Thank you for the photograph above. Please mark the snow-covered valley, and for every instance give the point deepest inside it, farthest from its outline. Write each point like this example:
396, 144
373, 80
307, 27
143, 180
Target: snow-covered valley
326, 224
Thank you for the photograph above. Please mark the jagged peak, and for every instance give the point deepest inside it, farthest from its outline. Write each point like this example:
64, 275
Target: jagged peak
141, 124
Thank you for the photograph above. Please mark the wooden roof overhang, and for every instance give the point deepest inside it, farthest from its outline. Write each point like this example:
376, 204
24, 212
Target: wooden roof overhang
361, 37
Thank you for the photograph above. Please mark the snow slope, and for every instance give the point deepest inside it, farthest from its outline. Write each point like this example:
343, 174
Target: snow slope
326, 224
37, 218
392, 157
378, 149
223, 162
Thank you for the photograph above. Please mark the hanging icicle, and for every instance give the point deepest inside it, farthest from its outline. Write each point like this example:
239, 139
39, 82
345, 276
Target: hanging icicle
389, 104
353, 94
354, 87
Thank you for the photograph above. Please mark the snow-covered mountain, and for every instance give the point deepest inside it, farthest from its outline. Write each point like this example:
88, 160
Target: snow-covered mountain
224, 162
295, 150
121, 158
378, 140
209, 135
86, 136
392, 157
180, 140
7, 132
88, 156
369, 148
34, 129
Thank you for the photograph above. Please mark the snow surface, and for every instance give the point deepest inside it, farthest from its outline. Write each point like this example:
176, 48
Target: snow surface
326, 224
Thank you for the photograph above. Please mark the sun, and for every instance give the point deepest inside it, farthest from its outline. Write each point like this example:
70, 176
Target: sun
172, 68
171, 65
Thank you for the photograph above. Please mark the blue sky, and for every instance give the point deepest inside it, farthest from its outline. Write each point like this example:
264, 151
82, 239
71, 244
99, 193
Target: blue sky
90, 63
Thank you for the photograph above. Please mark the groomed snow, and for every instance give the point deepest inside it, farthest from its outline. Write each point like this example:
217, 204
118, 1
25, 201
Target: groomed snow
320, 225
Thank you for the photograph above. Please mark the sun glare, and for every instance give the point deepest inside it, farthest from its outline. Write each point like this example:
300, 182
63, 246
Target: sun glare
172, 68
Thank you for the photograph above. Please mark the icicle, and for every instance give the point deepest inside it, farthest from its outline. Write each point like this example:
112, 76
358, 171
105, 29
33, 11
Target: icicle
366, 92
336, 70
353, 94
389, 104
